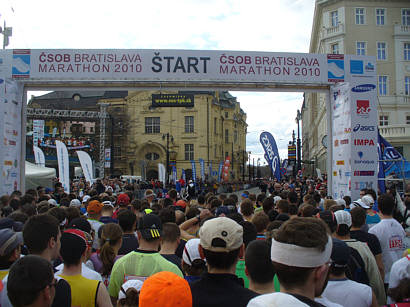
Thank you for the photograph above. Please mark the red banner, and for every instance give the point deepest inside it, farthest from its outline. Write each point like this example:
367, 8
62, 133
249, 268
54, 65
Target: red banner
225, 170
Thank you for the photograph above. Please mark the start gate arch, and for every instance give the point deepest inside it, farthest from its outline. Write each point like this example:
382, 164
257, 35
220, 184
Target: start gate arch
348, 82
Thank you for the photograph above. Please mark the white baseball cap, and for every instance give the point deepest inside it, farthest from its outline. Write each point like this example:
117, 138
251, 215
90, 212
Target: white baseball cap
343, 217
359, 203
75, 203
86, 198
191, 251
133, 283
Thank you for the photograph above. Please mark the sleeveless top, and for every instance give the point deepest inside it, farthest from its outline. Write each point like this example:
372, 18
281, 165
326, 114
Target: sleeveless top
83, 290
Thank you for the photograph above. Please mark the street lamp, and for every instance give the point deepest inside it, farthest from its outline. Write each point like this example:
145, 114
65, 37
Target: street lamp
298, 119
258, 171
167, 136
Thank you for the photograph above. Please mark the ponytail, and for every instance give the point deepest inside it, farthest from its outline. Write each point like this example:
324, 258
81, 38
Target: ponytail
110, 236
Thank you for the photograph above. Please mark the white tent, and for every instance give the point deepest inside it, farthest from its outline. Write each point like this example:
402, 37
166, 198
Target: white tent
37, 175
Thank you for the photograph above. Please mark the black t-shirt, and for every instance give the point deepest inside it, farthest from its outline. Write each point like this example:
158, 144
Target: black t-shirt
220, 290
174, 259
371, 240
129, 244
180, 248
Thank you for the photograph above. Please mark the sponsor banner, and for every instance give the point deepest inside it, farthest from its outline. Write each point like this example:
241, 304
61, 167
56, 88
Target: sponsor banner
11, 155
107, 157
341, 125
221, 164
68, 147
174, 175
63, 166
172, 100
225, 170
336, 67
210, 168
171, 65
38, 131
202, 168
39, 156
193, 170
183, 175
86, 165
271, 153
161, 173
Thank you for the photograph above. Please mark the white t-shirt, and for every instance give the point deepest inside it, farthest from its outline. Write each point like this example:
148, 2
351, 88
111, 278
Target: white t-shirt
325, 302
95, 226
348, 293
399, 270
277, 299
391, 236
85, 272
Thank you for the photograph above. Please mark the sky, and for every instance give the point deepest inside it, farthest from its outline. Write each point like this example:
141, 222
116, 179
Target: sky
262, 25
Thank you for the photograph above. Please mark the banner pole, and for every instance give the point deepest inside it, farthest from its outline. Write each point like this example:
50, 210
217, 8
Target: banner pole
329, 144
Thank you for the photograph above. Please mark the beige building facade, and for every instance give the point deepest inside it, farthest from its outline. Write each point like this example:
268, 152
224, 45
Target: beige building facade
215, 127
375, 28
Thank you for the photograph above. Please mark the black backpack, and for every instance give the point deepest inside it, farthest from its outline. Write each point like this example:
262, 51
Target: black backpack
356, 268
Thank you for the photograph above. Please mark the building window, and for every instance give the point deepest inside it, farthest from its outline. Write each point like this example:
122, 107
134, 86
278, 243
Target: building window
380, 13
226, 114
408, 120
405, 17
334, 20
83, 129
117, 151
335, 48
226, 136
189, 152
235, 136
91, 129
152, 125
189, 124
215, 124
360, 48
382, 85
407, 85
381, 51
152, 156
383, 120
406, 51
360, 16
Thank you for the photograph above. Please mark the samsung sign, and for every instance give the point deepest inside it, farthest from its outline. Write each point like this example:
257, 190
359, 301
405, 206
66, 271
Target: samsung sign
363, 88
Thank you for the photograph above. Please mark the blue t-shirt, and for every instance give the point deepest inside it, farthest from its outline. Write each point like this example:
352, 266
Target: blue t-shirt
372, 219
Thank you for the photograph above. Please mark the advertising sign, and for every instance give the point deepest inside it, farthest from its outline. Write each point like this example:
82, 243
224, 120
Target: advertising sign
225, 170
107, 159
271, 153
172, 100
86, 165
63, 166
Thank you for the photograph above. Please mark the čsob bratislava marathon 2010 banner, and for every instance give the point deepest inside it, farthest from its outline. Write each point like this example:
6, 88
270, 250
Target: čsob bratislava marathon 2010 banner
191, 67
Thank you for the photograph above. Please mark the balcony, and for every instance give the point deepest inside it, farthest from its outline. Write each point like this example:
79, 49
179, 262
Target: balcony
394, 100
400, 30
333, 31
395, 132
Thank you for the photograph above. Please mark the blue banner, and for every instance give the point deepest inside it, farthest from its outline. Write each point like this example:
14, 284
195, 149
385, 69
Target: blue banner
271, 153
174, 174
220, 171
285, 163
183, 175
210, 169
202, 165
387, 153
193, 170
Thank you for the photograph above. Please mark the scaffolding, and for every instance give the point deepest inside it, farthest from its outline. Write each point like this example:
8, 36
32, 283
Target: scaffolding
94, 115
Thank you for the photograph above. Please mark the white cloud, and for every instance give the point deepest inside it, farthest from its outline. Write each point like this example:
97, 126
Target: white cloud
263, 25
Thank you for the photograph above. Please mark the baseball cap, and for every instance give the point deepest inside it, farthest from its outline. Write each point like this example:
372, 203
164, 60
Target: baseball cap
165, 289
368, 200
9, 240
75, 203
221, 234
191, 251
94, 207
340, 253
276, 199
149, 193
52, 202
133, 283
343, 217
329, 218
244, 195
181, 203
150, 226
341, 202
123, 199
86, 198
80, 223
108, 203
359, 203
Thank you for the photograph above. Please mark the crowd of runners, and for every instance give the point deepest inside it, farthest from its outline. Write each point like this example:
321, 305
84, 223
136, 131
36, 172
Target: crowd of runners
120, 244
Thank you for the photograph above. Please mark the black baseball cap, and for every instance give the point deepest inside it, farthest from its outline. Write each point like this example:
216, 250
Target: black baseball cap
340, 253
150, 226
80, 223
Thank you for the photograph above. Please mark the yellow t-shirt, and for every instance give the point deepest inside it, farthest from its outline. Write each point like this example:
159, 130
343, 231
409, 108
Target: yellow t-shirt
83, 290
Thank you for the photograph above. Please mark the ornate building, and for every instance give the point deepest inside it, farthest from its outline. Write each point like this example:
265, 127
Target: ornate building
140, 135
376, 28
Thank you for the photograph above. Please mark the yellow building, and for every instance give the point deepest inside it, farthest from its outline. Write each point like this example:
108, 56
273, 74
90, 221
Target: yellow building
215, 127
